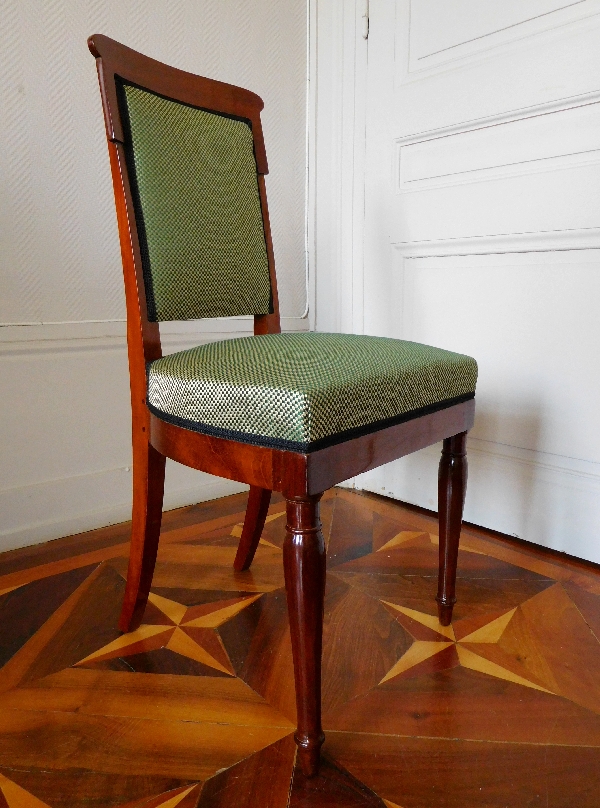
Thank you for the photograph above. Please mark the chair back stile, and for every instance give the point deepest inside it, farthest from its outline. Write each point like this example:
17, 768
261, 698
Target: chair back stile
117, 63
268, 323
143, 336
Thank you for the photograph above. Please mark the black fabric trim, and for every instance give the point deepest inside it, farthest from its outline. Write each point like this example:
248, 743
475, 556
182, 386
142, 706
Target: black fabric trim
137, 203
314, 446
129, 83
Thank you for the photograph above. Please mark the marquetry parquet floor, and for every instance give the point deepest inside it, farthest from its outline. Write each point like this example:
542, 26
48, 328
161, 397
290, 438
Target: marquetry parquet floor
196, 708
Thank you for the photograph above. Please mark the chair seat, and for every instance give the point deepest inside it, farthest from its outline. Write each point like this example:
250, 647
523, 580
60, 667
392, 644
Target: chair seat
305, 391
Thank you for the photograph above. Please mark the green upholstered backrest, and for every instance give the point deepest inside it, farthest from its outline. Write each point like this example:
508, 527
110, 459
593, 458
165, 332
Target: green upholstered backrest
195, 186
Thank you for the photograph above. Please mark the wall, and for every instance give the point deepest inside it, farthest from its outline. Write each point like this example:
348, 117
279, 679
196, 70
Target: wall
65, 460
457, 175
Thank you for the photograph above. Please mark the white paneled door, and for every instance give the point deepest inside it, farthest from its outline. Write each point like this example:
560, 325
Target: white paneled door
482, 235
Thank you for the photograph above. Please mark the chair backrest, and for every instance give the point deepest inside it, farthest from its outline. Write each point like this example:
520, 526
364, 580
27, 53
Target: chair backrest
195, 189
188, 161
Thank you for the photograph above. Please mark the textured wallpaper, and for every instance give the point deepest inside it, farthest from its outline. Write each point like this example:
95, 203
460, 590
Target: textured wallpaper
59, 255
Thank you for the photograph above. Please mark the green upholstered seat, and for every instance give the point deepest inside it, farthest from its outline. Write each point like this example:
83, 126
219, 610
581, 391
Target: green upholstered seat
305, 391
195, 190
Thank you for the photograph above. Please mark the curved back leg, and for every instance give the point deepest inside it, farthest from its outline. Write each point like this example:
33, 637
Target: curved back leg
256, 513
148, 488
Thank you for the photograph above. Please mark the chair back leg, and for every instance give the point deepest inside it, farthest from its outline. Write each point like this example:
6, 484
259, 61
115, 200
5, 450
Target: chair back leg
256, 513
452, 487
148, 489
304, 569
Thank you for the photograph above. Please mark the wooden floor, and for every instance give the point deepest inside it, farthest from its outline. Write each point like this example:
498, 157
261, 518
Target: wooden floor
196, 708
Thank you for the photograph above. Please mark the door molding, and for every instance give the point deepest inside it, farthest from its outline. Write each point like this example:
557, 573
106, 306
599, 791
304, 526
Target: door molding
338, 76
572, 15
530, 148
502, 243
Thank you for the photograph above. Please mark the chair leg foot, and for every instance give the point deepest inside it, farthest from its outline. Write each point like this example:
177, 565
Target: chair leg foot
148, 488
304, 568
254, 522
445, 612
309, 754
452, 487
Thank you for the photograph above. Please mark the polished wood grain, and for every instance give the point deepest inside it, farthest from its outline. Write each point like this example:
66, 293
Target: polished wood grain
262, 779
148, 490
20, 621
117, 59
357, 627
302, 478
328, 467
182, 698
499, 708
334, 786
256, 513
123, 744
307, 474
143, 336
304, 566
30, 656
426, 772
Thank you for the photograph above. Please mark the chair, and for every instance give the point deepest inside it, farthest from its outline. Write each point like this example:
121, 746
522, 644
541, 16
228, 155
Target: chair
295, 413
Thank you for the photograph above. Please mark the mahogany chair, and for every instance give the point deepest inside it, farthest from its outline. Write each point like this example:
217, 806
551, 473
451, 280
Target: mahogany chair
296, 413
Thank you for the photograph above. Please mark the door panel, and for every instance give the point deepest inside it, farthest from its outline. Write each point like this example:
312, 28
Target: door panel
482, 235
442, 32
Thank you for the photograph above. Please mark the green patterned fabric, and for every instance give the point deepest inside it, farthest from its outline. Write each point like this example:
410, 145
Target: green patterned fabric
304, 391
198, 210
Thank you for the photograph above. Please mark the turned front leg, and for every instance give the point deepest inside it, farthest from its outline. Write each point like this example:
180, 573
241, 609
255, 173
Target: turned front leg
452, 487
304, 568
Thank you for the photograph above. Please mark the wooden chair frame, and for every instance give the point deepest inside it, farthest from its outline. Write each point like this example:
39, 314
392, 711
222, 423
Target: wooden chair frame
301, 478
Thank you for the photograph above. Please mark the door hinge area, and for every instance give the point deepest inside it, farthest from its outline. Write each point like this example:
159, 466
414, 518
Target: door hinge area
365, 20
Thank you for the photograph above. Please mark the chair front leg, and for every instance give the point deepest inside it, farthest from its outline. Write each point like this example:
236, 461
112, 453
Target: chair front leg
254, 522
304, 568
148, 489
452, 487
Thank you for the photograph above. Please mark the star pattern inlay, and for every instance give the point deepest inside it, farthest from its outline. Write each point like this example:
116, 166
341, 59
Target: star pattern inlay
515, 678
17, 797
430, 639
188, 631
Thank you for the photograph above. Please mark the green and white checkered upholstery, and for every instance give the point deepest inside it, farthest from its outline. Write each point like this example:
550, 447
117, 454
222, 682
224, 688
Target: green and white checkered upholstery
305, 391
195, 188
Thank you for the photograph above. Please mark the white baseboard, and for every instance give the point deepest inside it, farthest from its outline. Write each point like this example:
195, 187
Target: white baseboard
44, 511
546, 499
